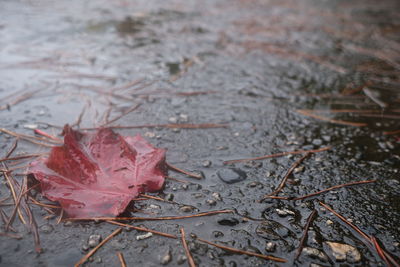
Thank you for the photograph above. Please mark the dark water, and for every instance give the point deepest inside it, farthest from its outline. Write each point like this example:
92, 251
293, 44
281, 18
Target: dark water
254, 63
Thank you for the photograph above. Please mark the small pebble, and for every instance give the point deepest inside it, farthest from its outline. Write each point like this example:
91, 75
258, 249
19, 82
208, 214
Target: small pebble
47, 228
343, 252
270, 247
181, 259
206, 163
211, 202
169, 197
149, 134
298, 169
183, 117
186, 208
94, 240
173, 120
145, 236
166, 258
216, 196
284, 212
315, 253
217, 234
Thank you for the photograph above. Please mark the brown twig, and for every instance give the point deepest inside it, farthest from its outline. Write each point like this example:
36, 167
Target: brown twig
234, 250
171, 125
382, 116
187, 251
391, 132
11, 235
121, 259
143, 229
43, 133
157, 198
19, 99
16, 207
22, 157
201, 214
282, 154
288, 173
333, 188
78, 121
12, 184
32, 222
127, 85
88, 255
29, 138
176, 180
318, 117
303, 238
122, 115
190, 174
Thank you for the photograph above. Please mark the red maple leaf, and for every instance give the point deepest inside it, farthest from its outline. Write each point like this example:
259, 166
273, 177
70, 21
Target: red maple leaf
98, 174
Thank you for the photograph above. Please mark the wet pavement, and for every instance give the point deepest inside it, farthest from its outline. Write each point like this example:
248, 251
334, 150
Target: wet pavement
283, 75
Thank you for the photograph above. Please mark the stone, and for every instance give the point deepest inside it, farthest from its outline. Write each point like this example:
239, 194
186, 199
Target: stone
343, 252
186, 208
166, 258
145, 236
216, 196
270, 247
231, 175
315, 253
284, 212
94, 240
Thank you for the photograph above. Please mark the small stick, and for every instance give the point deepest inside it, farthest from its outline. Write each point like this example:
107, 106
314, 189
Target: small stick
391, 132
379, 250
383, 116
16, 207
12, 185
60, 217
234, 250
35, 202
143, 229
12, 149
190, 174
282, 154
121, 259
157, 198
288, 173
176, 180
18, 237
322, 118
43, 133
120, 116
209, 213
333, 188
128, 85
29, 138
23, 157
173, 125
78, 121
20, 99
32, 224
87, 256
187, 251
303, 238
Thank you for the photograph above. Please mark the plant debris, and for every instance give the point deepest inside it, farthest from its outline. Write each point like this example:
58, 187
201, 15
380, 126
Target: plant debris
99, 174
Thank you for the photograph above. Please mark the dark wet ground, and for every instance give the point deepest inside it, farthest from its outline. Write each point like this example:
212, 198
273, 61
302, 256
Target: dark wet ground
254, 64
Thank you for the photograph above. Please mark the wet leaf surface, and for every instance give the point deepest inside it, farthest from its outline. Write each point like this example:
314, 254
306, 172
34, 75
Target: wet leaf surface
99, 174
